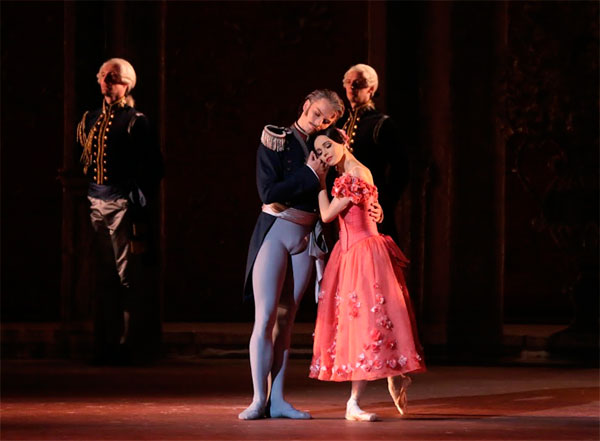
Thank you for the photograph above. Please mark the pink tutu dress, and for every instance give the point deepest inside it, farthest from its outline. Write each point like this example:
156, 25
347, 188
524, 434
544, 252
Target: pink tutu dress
365, 327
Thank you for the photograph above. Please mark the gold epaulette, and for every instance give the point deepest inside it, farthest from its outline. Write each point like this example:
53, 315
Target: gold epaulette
273, 137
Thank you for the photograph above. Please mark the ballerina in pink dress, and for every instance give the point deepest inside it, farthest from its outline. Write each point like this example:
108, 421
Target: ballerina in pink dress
365, 327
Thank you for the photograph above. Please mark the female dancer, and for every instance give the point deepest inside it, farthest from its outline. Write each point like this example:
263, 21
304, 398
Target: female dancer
365, 327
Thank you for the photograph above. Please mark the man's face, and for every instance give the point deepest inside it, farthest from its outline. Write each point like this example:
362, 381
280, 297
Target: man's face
357, 90
110, 82
317, 115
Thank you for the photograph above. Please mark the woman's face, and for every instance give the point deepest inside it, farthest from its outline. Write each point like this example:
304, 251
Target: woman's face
329, 151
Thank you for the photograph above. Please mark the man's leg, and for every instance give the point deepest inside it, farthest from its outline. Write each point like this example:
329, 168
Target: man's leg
119, 227
302, 265
107, 310
268, 276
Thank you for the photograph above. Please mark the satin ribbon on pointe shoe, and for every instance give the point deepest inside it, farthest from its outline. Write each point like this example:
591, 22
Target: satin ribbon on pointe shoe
397, 387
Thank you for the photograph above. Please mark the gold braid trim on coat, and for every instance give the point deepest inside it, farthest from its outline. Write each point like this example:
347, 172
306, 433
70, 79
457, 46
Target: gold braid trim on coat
86, 141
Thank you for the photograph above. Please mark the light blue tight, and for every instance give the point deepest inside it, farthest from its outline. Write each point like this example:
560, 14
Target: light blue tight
274, 315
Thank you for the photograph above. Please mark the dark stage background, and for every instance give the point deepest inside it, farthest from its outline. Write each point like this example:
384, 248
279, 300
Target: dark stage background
497, 101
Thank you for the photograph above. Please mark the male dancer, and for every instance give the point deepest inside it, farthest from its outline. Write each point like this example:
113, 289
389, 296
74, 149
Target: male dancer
122, 161
374, 138
288, 184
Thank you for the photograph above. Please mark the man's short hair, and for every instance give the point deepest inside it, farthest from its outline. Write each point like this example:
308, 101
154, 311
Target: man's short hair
333, 98
125, 69
368, 72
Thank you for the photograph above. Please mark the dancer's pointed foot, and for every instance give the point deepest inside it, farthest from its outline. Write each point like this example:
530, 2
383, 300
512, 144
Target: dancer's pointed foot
397, 387
284, 409
355, 413
255, 411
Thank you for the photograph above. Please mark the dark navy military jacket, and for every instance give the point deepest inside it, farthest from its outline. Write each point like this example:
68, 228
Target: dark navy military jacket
375, 141
121, 148
281, 176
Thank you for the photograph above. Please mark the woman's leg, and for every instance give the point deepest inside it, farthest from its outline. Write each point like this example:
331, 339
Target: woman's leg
353, 411
397, 387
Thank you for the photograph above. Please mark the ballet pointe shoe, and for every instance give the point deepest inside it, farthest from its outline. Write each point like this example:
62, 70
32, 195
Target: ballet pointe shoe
397, 387
355, 413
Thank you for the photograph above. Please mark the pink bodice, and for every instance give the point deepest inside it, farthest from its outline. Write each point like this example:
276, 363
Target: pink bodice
355, 223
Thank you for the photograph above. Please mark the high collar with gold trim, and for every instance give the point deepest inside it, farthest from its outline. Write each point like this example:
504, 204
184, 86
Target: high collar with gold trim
358, 111
107, 108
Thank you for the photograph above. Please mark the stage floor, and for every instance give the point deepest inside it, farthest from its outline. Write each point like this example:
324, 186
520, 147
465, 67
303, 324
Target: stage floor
200, 400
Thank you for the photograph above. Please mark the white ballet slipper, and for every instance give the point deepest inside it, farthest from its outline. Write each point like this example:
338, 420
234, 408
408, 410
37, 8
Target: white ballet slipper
355, 413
